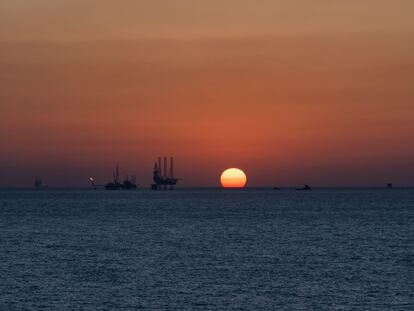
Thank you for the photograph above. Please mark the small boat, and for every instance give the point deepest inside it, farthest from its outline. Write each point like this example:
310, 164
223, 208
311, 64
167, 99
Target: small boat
305, 187
38, 184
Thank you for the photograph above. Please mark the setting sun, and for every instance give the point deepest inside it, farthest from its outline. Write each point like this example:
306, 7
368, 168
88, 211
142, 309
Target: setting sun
233, 178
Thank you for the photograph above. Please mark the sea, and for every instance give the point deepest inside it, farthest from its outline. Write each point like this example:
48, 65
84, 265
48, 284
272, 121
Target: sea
207, 249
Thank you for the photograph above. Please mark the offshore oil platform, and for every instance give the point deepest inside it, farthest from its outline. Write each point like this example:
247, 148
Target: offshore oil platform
163, 177
128, 184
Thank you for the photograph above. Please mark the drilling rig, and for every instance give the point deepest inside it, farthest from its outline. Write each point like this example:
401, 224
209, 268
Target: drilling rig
163, 177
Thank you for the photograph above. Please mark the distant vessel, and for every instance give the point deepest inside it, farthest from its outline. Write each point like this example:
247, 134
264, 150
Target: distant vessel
161, 178
305, 187
38, 184
390, 186
276, 188
127, 184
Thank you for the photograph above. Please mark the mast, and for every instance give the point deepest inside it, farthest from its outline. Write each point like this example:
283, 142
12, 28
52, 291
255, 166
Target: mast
159, 167
171, 167
165, 168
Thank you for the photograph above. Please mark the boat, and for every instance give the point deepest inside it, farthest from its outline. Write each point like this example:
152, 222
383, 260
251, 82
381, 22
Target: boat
305, 187
127, 184
38, 184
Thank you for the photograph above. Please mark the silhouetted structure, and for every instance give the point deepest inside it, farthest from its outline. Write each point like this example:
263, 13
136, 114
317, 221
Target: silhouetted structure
305, 187
38, 184
163, 177
127, 184
389, 186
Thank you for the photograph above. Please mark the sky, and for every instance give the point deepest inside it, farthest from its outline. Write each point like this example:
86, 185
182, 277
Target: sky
292, 92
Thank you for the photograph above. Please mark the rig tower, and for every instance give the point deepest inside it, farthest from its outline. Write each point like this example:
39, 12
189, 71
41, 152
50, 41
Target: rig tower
163, 177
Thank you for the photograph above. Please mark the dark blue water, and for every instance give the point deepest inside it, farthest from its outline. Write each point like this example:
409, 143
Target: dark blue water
207, 250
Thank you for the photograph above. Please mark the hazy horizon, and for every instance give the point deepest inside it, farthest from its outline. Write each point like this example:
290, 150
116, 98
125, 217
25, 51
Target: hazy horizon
290, 92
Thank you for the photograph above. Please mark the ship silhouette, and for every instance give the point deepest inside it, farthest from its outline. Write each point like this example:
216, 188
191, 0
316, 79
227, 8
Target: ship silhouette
127, 184
305, 187
38, 184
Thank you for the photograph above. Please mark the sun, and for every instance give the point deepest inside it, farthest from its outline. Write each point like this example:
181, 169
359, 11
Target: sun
233, 178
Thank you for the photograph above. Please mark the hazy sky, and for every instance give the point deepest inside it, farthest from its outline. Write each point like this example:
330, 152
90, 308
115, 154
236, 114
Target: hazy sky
293, 92
130, 19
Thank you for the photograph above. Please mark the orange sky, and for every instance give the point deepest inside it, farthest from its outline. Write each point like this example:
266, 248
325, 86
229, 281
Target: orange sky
293, 92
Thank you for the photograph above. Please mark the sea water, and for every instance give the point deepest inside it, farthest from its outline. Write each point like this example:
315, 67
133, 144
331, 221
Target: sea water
343, 249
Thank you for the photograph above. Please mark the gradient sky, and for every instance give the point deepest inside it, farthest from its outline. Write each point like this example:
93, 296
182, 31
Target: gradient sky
293, 92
